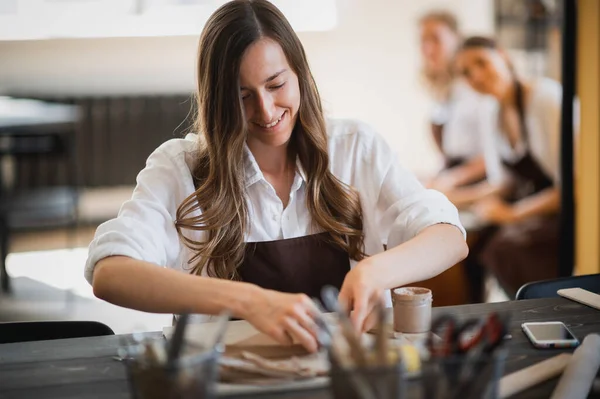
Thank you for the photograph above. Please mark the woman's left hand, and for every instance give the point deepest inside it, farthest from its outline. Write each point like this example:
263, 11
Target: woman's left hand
361, 295
495, 210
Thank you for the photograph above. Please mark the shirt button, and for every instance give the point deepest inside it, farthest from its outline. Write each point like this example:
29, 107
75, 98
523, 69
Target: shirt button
275, 217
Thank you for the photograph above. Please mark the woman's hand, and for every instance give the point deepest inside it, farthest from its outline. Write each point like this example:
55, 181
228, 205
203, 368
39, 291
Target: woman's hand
444, 182
361, 294
288, 318
495, 210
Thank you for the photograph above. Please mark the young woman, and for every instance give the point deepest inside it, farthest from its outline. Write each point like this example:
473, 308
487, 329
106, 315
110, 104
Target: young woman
455, 123
269, 203
521, 194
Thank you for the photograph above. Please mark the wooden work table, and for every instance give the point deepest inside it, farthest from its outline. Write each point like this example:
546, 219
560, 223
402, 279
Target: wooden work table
84, 367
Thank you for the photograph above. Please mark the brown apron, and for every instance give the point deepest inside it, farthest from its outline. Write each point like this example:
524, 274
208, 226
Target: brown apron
295, 265
471, 272
526, 251
438, 137
451, 162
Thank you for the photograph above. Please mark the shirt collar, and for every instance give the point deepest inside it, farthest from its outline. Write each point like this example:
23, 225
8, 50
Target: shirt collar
252, 172
300, 170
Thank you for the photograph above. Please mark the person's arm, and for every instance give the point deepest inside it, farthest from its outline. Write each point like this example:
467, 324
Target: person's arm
495, 210
543, 203
144, 286
430, 253
421, 228
450, 248
465, 196
469, 172
163, 290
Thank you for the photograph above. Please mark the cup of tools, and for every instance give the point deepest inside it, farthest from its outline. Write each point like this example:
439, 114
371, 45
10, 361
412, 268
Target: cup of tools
371, 381
192, 376
466, 357
358, 370
174, 369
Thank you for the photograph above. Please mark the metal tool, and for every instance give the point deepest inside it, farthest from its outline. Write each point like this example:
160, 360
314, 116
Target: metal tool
330, 299
382, 336
222, 323
450, 337
177, 340
325, 337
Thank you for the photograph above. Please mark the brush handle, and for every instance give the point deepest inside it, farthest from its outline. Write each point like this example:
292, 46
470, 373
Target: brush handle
176, 343
533, 375
330, 298
382, 336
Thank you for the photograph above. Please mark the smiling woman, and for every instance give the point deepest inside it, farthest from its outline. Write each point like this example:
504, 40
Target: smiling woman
270, 202
271, 106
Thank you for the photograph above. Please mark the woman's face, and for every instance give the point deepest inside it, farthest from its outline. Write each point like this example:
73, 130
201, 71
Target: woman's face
270, 93
438, 44
486, 70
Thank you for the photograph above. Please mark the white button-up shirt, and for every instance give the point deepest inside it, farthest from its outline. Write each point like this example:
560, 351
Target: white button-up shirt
542, 120
461, 118
396, 207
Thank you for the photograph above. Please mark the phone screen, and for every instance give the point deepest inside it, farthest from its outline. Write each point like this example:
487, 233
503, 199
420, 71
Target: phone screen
549, 332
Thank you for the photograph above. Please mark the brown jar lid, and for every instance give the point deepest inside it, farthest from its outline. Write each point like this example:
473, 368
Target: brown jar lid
411, 294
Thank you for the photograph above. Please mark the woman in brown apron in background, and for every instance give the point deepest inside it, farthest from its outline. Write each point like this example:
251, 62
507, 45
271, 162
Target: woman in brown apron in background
270, 202
453, 115
521, 196
455, 126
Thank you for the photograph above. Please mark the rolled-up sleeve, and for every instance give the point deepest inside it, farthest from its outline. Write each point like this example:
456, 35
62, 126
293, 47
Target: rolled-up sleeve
404, 206
145, 226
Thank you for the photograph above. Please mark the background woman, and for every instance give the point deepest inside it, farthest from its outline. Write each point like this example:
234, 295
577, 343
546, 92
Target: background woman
522, 191
455, 119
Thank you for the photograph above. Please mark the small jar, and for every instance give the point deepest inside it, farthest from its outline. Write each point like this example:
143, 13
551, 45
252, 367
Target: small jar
412, 309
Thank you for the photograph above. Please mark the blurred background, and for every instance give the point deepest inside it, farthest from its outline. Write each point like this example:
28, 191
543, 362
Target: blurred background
89, 88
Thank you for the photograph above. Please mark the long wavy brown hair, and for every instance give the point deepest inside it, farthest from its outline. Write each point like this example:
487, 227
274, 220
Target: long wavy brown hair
219, 206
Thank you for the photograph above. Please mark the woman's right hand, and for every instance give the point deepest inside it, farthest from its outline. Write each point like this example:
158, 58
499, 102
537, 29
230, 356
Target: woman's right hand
445, 182
288, 318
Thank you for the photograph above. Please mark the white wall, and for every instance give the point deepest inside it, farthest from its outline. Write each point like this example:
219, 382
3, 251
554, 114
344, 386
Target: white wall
366, 68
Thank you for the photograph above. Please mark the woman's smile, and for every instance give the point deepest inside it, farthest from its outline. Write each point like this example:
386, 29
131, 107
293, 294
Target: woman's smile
274, 125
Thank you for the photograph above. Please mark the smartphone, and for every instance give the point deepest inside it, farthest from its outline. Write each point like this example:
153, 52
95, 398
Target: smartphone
550, 334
